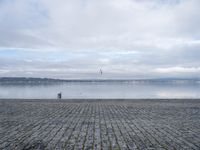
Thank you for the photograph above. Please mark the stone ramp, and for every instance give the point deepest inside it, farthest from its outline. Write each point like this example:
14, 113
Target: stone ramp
137, 124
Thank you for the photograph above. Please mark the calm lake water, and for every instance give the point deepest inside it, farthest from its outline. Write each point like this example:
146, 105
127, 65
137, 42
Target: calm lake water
102, 90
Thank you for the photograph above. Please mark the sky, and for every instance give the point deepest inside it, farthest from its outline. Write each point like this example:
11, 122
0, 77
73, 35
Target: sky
74, 39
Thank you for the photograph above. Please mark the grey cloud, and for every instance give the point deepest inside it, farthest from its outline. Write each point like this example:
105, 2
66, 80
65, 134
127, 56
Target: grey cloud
128, 38
93, 24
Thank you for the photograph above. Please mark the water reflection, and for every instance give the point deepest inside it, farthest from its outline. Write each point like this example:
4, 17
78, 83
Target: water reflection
102, 90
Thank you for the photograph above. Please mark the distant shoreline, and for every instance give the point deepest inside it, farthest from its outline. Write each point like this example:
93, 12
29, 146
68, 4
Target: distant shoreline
22, 81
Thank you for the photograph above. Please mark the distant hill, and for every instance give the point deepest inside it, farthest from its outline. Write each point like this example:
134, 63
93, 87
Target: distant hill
24, 80
36, 81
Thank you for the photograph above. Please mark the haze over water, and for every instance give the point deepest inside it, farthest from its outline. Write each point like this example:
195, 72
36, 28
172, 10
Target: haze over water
102, 90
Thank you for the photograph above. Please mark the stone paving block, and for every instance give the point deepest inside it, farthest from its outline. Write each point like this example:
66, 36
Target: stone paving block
100, 125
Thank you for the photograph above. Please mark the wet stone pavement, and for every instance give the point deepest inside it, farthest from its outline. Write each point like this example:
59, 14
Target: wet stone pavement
100, 124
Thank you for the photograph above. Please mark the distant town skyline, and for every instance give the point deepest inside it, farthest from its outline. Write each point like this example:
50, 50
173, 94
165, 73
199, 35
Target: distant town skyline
125, 39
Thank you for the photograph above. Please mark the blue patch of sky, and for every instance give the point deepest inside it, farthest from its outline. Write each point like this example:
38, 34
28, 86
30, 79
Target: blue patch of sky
38, 55
8, 53
34, 55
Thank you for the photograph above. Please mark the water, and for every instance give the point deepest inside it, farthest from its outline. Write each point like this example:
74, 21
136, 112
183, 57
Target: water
102, 90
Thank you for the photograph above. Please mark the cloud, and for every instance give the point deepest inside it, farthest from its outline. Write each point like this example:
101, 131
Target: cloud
129, 38
178, 70
91, 25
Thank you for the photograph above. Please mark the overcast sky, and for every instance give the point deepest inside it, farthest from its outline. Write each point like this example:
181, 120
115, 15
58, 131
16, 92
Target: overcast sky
77, 38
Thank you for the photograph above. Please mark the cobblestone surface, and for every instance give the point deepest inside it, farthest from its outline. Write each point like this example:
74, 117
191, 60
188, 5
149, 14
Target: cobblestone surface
100, 124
